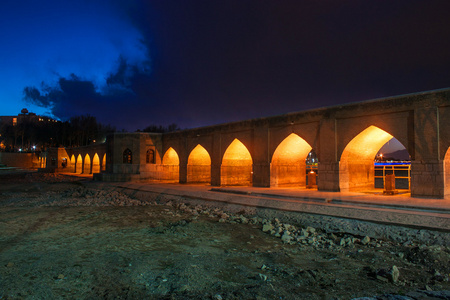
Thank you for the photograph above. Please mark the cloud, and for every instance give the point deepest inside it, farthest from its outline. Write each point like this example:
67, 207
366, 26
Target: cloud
70, 96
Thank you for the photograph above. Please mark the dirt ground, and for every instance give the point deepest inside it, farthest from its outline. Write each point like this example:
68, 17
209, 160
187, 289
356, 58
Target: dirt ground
62, 238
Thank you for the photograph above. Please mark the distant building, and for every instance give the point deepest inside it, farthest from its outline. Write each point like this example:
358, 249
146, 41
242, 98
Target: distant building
24, 115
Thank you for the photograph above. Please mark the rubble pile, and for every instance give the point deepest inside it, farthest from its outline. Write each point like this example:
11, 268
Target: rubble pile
82, 196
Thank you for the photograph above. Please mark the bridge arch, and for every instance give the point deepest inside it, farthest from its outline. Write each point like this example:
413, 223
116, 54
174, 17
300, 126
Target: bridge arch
87, 165
288, 165
96, 164
72, 164
356, 166
199, 165
79, 165
171, 165
103, 165
237, 165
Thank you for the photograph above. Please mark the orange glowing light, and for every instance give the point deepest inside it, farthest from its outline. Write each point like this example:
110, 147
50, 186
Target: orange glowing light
289, 162
237, 165
199, 166
171, 157
96, 164
199, 157
356, 170
171, 164
104, 162
87, 164
292, 150
237, 155
79, 164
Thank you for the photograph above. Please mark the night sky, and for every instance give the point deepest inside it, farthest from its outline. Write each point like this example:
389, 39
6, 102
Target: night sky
195, 63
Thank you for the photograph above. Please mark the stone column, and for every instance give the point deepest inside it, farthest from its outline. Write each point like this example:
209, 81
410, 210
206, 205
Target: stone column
183, 172
427, 178
216, 159
328, 167
261, 163
427, 169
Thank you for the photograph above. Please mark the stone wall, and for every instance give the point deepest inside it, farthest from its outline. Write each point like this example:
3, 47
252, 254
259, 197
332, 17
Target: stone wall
346, 139
20, 160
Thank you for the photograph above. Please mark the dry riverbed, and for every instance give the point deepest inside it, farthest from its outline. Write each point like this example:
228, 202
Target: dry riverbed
65, 238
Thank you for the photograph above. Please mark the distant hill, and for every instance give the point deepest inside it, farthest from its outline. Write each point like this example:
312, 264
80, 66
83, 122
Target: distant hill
397, 155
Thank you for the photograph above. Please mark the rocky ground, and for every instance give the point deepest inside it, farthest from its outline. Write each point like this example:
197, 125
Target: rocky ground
64, 237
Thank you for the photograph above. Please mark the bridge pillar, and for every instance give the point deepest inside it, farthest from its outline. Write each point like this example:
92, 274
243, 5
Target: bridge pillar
215, 175
427, 167
427, 179
183, 172
328, 167
328, 176
260, 153
261, 175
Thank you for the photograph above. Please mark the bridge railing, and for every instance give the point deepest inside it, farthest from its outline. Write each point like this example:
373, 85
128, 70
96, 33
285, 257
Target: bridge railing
402, 172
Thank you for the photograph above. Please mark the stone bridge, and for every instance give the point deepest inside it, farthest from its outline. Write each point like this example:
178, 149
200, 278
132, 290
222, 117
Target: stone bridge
271, 152
80, 160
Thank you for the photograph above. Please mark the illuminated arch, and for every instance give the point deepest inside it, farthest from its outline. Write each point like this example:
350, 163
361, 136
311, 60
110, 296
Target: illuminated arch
288, 165
356, 167
87, 165
72, 163
79, 165
171, 165
96, 164
237, 165
103, 167
199, 165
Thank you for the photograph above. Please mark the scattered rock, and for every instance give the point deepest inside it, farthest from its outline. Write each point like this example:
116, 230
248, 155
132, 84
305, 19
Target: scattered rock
365, 240
263, 277
267, 227
394, 274
286, 237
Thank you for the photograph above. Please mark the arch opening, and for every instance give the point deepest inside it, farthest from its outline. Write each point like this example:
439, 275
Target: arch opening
72, 164
96, 164
288, 166
393, 158
127, 156
87, 165
171, 165
359, 159
79, 165
237, 165
150, 157
103, 166
199, 166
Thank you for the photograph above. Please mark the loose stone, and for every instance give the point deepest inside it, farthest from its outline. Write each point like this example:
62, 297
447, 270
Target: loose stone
365, 240
267, 227
394, 274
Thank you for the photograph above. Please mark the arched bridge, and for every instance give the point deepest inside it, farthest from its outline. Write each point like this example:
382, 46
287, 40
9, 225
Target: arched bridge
272, 151
80, 160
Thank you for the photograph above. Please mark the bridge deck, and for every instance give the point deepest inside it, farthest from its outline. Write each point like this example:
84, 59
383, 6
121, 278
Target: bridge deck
398, 209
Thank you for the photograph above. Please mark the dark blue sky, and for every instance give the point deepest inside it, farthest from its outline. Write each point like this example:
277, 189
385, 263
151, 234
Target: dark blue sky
203, 62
